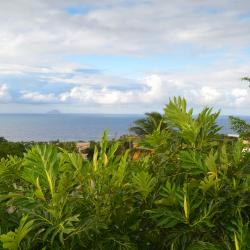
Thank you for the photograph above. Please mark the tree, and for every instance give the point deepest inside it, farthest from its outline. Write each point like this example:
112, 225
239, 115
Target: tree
11, 148
147, 125
239, 125
2, 139
246, 78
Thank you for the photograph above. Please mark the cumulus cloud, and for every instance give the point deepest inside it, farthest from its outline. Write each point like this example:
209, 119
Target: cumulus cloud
241, 97
4, 93
239, 92
149, 91
156, 88
206, 95
37, 97
216, 86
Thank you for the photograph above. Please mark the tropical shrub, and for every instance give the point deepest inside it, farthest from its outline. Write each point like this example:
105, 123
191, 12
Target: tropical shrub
192, 192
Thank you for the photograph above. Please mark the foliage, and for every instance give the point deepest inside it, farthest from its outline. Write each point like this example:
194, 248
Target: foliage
196, 132
12, 240
11, 148
190, 192
147, 125
240, 126
8, 148
246, 78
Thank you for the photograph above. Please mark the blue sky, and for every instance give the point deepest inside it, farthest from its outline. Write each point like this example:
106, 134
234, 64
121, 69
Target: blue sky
118, 56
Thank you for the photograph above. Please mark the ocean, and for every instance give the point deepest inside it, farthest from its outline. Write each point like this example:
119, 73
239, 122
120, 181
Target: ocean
72, 127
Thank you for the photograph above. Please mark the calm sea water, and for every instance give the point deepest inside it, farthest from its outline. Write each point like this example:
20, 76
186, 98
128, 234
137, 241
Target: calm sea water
71, 127
65, 127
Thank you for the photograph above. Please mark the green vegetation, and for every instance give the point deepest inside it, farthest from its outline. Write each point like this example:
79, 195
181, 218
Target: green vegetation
11, 148
238, 125
8, 148
147, 125
191, 193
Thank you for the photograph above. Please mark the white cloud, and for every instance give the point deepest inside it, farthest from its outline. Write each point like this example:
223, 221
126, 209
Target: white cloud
4, 93
103, 96
155, 89
38, 97
241, 97
88, 95
151, 91
218, 86
239, 92
213, 87
206, 95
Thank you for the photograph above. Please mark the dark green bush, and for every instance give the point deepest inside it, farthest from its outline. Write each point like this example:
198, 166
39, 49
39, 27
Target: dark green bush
11, 148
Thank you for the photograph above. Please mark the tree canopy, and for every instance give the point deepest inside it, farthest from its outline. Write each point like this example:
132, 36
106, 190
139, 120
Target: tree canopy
150, 123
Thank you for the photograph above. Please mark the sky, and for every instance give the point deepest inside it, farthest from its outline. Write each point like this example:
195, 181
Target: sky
123, 56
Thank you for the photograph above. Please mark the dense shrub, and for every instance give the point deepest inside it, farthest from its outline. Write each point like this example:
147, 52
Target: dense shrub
192, 192
11, 148
8, 148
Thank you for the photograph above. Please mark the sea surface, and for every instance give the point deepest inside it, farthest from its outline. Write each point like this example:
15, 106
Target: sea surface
73, 127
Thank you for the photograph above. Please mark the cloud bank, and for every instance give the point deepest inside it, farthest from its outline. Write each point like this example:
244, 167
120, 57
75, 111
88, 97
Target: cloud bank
110, 55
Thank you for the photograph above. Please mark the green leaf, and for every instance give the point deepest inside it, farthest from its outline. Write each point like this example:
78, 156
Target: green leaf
12, 240
192, 161
143, 183
201, 245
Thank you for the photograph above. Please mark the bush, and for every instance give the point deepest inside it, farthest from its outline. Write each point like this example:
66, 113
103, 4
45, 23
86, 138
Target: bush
11, 148
192, 192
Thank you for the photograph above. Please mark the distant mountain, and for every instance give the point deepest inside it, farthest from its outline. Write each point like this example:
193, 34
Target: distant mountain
54, 112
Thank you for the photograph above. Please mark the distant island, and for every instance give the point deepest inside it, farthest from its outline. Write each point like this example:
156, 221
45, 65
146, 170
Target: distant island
53, 112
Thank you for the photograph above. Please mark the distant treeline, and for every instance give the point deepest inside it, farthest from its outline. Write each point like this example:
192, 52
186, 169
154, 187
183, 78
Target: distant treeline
19, 148
8, 148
